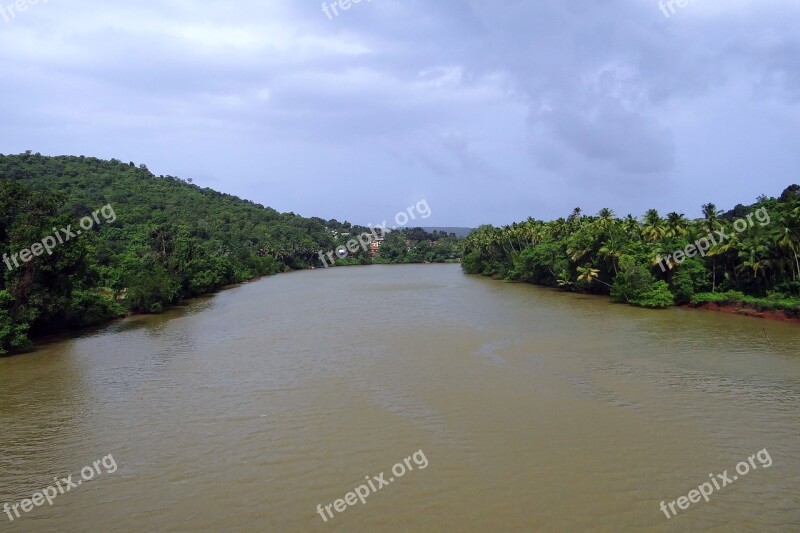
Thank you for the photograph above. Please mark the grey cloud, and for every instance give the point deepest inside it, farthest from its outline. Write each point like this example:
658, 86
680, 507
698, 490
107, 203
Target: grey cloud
576, 102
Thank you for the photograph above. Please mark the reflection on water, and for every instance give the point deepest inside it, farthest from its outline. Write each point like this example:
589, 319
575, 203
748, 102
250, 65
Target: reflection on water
538, 411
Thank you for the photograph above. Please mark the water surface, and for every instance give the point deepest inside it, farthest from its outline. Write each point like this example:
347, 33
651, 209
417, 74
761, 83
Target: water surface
536, 411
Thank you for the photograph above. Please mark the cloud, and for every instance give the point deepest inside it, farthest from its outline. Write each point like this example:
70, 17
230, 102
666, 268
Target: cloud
556, 104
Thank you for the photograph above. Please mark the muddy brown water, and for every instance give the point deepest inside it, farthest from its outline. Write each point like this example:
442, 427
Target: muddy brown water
535, 411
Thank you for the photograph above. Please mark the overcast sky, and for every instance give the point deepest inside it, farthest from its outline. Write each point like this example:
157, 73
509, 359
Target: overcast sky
492, 111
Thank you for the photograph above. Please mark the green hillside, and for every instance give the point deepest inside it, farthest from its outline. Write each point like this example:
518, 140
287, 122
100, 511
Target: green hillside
167, 240
148, 242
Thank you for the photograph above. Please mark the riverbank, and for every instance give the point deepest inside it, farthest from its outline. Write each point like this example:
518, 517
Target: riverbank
746, 310
784, 308
734, 303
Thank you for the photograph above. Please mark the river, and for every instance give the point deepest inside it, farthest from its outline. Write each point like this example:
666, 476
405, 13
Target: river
530, 409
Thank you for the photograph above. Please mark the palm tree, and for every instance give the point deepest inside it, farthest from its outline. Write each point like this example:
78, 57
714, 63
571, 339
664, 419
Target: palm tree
558, 228
515, 233
563, 279
753, 258
575, 220
653, 229
605, 219
589, 274
676, 224
659, 254
534, 231
711, 222
632, 227
730, 248
500, 236
787, 237
711, 217
611, 251
576, 252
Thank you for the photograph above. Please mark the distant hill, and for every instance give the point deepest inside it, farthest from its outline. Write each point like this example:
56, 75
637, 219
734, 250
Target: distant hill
460, 232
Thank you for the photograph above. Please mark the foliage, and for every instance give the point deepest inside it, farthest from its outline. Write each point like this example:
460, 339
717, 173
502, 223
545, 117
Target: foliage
168, 240
13, 332
657, 297
620, 257
688, 279
415, 245
632, 283
91, 307
775, 301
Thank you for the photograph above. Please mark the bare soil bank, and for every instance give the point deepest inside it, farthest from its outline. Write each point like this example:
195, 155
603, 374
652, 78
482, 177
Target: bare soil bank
744, 310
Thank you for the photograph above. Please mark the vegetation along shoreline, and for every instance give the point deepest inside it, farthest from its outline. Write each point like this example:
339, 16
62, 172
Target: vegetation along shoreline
752, 268
171, 241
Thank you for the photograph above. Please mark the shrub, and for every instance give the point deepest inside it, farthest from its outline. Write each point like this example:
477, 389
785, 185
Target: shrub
632, 281
88, 308
791, 288
719, 298
774, 302
13, 333
659, 297
473, 263
689, 278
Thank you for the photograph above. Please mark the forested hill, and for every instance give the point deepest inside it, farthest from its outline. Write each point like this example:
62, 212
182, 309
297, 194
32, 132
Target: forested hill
85, 240
141, 198
167, 240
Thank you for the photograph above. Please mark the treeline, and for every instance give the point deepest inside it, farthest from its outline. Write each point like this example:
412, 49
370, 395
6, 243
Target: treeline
170, 240
403, 246
415, 245
635, 262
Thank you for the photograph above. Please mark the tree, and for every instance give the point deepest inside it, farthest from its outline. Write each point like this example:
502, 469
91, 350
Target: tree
787, 237
676, 224
654, 228
632, 282
711, 220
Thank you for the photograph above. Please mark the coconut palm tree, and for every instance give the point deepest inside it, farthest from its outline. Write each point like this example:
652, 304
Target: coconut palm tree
605, 219
632, 227
728, 249
753, 258
611, 251
559, 228
787, 238
653, 229
711, 223
588, 274
676, 224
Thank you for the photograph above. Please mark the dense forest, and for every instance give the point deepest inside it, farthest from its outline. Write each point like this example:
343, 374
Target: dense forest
748, 256
407, 245
150, 241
